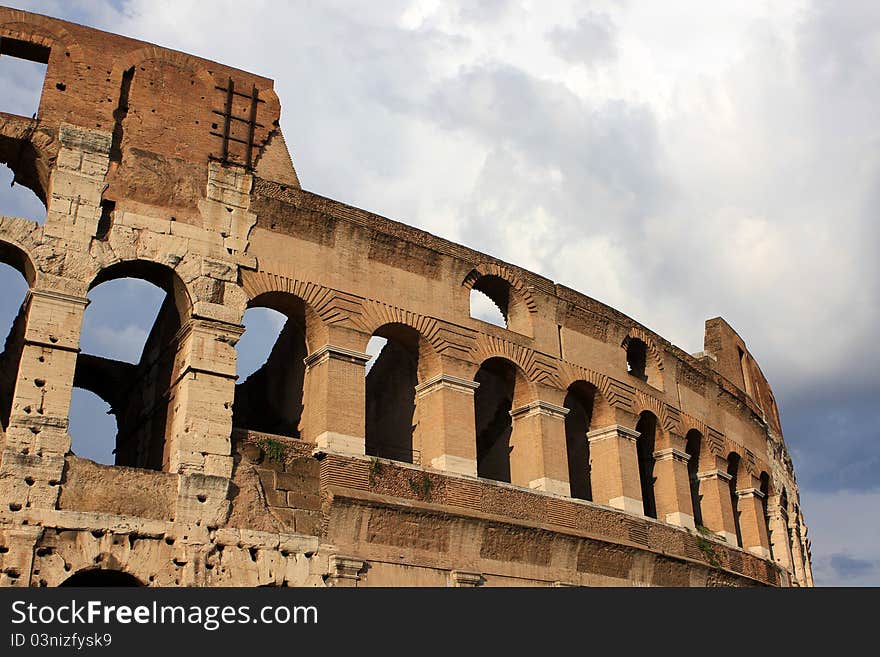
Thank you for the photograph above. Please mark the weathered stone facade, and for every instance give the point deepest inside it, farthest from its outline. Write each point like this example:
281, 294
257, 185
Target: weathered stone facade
574, 447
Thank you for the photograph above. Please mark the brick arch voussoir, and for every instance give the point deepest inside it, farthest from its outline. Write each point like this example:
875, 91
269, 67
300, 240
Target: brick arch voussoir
40, 30
154, 53
640, 334
494, 269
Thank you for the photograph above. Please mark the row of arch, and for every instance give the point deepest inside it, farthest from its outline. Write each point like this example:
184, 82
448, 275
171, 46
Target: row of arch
273, 399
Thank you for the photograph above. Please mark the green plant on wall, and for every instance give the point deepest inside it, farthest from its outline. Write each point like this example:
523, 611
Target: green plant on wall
705, 546
421, 486
274, 450
375, 470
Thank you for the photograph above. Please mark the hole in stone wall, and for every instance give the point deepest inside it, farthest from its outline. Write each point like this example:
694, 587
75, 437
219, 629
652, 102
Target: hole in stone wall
693, 446
271, 371
12, 318
493, 400
579, 402
637, 358
733, 463
647, 428
124, 372
22, 74
483, 308
19, 201
392, 377
92, 427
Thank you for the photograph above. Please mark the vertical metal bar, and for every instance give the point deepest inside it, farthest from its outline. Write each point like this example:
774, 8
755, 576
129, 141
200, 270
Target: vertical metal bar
226, 127
252, 124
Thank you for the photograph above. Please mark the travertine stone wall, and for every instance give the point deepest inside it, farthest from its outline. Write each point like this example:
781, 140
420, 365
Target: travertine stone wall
449, 466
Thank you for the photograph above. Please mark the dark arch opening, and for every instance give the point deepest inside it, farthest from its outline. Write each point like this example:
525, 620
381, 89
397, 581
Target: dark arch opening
12, 322
391, 383
647, 428
765, 492
579, 402
491, 295
493, 401
270, 400
733, 463
694, 441
637, 358
129, 343
97, 577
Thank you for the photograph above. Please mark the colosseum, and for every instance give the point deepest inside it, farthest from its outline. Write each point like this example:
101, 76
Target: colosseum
570, 447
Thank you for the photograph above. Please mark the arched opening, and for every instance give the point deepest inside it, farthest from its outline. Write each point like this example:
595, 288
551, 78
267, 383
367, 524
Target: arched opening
13, 318
93, 427
484, 309
733, 465
22, 75
642, 362
97, 577
694, 441
637, 358
493, 401
495, 301
129, 341
765, 496
270, 398
16, 200
647, 428
579, 402
392, 378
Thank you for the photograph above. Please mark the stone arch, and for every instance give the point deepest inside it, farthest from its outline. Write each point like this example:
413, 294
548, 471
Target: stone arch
507, 292
12, 343
643, 359
26, 147
503, 386
390, 394
377, 318
766, 488
737, 470
37, 29
694, 446
158, 273
17, 256
584, 402
272, 399
141, 394
101, 577
648, 426
180, 60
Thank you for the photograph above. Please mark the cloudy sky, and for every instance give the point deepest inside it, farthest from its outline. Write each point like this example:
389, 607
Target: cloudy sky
677, 160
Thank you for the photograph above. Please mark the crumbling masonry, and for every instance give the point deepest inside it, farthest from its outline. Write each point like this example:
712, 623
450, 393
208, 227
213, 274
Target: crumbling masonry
573, 447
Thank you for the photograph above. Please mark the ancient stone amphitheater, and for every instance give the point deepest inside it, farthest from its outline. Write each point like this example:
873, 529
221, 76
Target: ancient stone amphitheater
574, 447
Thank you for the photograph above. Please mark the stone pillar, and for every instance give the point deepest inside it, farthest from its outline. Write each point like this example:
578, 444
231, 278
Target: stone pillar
445, 435
717, 506
17, 563
335, 400
779, 537
37, 437
614, 468
202, 392
538, 458
77, 184
672, 489
752, 525
797, 556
